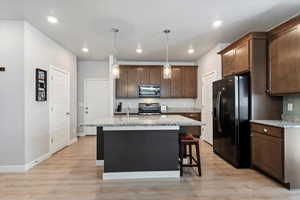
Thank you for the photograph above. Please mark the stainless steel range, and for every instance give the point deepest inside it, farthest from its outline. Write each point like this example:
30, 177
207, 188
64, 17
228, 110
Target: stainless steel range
149, 109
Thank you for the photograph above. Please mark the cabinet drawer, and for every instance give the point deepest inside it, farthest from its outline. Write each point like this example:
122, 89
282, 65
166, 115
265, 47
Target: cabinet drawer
267, 130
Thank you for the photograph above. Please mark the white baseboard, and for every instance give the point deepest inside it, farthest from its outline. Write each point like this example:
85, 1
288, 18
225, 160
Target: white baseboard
99, 162
73, 140
12, 169
35, 162
141, 175
23, 168
81, 134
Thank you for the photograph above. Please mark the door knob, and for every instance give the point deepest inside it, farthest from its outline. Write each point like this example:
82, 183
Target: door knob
86, 112
67, 113
86, 108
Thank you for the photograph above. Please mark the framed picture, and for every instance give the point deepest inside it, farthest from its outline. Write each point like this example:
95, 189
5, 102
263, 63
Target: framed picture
41, 85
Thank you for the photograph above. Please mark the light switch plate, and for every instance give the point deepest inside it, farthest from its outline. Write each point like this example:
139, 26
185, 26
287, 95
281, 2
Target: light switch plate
290, 107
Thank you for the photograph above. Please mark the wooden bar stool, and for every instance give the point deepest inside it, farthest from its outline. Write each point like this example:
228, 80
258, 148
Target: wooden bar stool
188, 140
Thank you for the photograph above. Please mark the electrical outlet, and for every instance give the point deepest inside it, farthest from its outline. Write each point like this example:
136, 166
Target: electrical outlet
290, 107
2, 68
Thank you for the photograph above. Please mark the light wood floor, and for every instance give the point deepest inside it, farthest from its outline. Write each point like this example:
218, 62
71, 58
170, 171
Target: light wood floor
71, 174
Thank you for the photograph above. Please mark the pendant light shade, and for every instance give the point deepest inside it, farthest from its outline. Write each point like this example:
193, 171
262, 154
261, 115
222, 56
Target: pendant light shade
115, 65
167, 70
116, 70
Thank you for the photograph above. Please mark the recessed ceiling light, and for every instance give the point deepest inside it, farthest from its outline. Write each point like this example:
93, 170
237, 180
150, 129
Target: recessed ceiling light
52, 20
217, 23
191, 50
85, 50
139, 49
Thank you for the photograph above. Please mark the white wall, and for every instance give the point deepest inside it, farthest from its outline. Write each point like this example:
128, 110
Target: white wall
41, 52
209, 62
24, 123
88, 70
12, 93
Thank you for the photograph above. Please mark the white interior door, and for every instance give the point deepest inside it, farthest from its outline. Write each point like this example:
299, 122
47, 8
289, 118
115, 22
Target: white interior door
96, 102
59, 109
207, 104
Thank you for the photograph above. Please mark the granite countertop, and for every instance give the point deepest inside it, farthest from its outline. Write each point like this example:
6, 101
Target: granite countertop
158, 120
170, 110
278, 123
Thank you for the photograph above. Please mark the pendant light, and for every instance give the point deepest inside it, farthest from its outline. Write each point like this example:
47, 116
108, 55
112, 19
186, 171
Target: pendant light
167, 72
115, 65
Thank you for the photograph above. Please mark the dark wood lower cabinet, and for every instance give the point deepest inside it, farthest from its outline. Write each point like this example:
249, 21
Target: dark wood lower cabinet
268, 150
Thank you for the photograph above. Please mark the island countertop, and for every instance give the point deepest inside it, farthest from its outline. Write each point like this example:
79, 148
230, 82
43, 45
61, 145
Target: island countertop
139, 120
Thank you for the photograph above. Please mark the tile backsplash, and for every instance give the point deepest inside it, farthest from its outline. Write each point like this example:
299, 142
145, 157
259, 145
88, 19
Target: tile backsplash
133, 103
293, 112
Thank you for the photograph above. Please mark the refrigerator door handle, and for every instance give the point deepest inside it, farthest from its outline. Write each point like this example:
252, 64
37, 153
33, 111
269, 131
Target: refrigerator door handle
219, 111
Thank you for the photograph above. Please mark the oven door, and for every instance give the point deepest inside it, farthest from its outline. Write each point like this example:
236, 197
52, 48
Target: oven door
149, 91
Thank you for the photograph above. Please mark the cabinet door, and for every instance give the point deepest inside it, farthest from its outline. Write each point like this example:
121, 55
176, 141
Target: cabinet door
228, 63
190, 82
132, 82
177, 82
242, 58
165, 88
142, 75
285, 63
121, 84
267, 154
155, 74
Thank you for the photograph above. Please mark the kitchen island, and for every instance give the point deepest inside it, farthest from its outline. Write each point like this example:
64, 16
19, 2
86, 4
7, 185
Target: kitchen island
133, 147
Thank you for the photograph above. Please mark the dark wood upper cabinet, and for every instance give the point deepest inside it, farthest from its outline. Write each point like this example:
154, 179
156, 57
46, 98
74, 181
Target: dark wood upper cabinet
248, 56
183, 83
242, 58
228, 63
236, 59
121, 83
132, 82
177, 82
165, 88
284, 61
142, 75
190, 82
155, 75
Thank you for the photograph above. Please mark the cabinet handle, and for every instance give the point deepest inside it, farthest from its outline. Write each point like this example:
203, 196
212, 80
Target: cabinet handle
265, 130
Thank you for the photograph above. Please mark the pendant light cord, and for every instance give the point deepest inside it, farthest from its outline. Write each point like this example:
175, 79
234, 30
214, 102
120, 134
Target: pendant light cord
116, 31
167, 48
167, 32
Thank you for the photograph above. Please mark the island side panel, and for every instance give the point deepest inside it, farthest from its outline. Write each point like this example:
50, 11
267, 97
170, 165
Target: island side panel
141, 150
100, 144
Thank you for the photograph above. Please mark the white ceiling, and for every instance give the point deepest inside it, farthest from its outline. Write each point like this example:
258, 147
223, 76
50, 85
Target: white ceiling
87, 23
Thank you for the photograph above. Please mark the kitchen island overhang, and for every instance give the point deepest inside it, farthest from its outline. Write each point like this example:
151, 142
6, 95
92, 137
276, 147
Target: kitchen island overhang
140, 146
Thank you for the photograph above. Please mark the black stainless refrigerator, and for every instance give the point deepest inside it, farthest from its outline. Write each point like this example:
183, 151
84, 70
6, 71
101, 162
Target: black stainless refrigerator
231, 112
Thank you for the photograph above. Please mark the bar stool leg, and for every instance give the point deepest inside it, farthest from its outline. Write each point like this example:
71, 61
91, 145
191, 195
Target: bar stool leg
181, 158
190, 154
198, 158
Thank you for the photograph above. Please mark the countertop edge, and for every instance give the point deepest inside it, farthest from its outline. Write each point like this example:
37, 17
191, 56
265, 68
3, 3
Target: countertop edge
276, 123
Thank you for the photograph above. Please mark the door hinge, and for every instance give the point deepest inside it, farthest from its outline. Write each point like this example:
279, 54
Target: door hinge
51, 140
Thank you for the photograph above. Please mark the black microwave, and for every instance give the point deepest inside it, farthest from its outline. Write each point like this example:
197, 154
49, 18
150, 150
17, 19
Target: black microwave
149, 91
